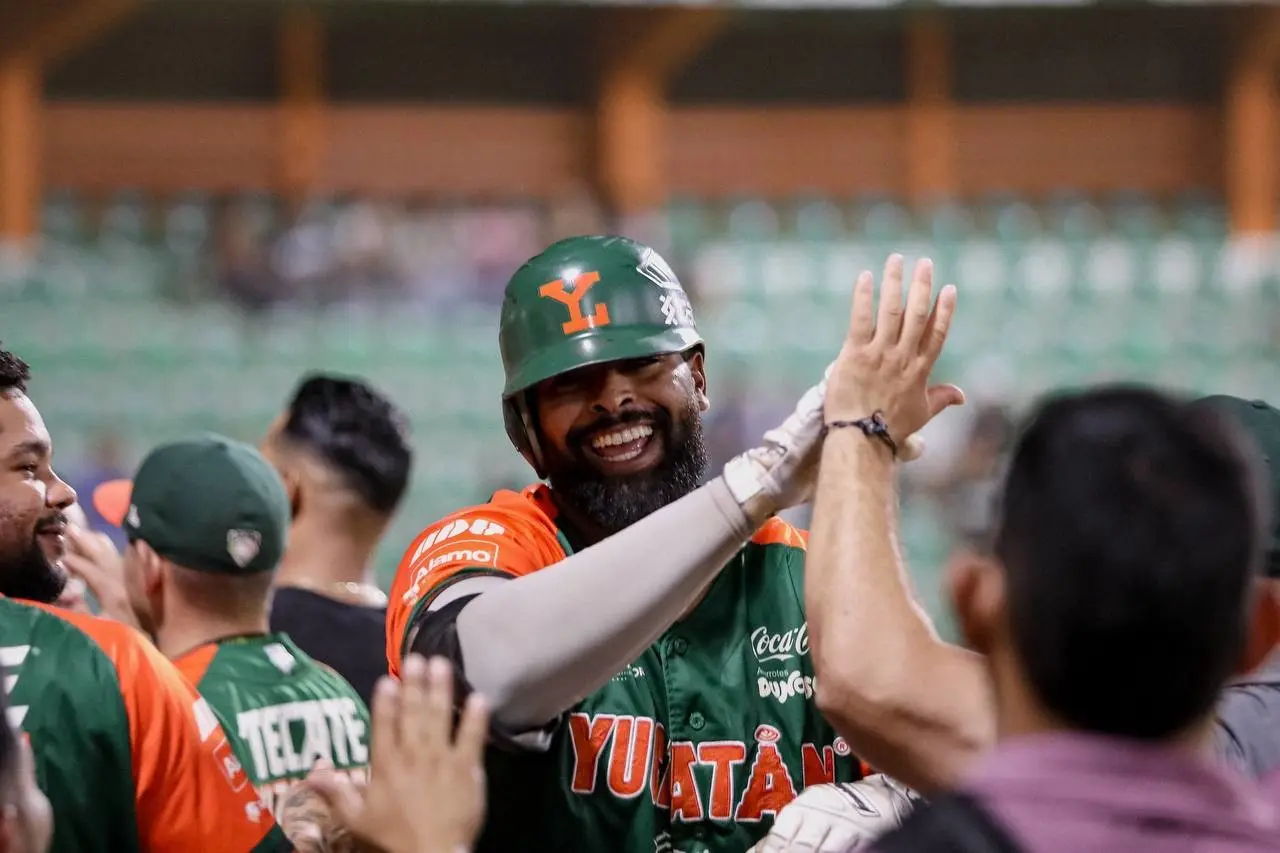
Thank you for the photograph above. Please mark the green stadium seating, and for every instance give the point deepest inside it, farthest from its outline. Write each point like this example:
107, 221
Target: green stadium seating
114, 314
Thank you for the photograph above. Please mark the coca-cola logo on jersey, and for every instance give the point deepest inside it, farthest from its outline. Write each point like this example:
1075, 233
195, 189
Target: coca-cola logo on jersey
785, 645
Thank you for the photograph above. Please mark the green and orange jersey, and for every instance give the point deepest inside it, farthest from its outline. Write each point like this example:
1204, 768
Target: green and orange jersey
129, 755
281, 709
695, 746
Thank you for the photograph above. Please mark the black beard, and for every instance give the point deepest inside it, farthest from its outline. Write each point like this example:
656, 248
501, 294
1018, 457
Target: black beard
615, 502
32, 577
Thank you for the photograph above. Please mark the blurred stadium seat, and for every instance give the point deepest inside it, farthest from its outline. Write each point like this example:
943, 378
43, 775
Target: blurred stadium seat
119, 312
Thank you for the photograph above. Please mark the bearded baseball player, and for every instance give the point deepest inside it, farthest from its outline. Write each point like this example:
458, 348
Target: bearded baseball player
637, 627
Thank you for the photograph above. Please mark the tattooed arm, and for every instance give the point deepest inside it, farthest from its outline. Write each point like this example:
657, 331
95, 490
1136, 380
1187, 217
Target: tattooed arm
310, 825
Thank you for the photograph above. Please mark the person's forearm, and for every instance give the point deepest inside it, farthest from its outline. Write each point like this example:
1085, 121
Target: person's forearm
909, 704
536, 645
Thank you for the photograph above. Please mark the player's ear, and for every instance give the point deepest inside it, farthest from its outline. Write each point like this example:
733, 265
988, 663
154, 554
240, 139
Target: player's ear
976, 588
284, 461
151, 568
697, 369
292, 488
1264, 626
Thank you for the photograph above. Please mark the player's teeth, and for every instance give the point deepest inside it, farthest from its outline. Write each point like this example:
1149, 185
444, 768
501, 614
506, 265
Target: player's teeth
623, 436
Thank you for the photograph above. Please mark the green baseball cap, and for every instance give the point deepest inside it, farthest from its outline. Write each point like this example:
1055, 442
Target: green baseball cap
206, 503
1262, 422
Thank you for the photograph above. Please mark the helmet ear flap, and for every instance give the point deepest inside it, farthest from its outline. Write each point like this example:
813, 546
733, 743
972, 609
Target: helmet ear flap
515, 417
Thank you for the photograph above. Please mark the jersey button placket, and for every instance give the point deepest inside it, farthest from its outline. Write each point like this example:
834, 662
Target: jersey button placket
679, 720
697, 721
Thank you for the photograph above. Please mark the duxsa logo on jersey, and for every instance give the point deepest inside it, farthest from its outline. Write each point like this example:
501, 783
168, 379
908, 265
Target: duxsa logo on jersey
768, 646
748, 781
796, 684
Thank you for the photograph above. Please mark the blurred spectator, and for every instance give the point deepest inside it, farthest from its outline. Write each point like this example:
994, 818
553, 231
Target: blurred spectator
304, 256
497, 239
362, 252
244, 275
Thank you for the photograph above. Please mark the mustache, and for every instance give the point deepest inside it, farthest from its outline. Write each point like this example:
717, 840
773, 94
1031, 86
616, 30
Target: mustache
55, 523
659, 418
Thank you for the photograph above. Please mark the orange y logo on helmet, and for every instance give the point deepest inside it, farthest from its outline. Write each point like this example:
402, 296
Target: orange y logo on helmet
572, 299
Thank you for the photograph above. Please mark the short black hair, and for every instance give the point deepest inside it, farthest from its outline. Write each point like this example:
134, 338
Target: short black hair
357, 431
14, 373
1130, 527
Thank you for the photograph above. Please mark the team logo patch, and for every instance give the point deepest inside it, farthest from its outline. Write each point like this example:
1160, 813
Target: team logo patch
569, 291
243, 546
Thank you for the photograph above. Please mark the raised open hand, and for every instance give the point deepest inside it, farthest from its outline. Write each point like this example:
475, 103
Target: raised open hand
890, 351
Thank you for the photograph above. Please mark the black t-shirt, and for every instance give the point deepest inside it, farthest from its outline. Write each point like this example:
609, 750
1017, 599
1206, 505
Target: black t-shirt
350, 638
952, 823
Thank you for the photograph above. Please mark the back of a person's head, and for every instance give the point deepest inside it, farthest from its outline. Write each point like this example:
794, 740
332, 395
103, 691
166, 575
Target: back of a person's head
14, 373
1130, 528
357, 432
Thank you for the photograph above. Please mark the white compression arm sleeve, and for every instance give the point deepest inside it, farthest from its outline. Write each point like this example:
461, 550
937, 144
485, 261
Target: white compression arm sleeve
536, 645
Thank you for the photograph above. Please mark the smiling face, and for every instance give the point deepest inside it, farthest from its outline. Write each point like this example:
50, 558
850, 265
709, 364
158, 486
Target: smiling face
33, 501
622, 439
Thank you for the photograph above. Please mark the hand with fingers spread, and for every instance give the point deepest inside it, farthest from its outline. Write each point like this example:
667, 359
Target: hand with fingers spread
890, 351
426, 784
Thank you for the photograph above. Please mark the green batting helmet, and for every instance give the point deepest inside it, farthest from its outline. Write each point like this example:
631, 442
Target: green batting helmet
584, 301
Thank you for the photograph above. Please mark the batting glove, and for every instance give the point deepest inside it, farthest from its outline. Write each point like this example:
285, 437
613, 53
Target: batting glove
839, 818
784, 468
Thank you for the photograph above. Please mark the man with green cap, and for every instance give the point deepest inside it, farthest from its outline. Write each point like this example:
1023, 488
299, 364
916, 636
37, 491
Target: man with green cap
1247, 734
207, 519
637, 629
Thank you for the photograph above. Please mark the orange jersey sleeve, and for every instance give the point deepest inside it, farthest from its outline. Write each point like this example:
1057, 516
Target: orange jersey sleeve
511, 535
189, 790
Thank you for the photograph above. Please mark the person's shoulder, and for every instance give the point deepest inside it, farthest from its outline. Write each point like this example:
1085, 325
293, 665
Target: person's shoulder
507, 514
512, 535
113, 638
778, 533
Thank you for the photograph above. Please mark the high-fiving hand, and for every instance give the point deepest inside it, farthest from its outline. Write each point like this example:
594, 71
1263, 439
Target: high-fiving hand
426, 790
886, 360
